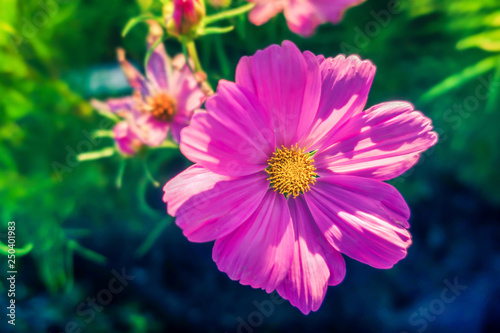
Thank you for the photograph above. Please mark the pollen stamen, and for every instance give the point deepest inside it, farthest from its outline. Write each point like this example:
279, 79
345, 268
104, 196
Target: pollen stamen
162, 106
291, 171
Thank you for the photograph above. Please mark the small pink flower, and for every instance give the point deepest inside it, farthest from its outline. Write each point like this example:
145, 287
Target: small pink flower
303, 16
163, 102
289, 172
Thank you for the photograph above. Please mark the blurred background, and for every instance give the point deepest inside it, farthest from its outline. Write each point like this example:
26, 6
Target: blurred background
76, 230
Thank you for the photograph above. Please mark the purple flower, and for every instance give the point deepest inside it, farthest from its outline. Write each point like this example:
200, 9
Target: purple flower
162, 102
289, 172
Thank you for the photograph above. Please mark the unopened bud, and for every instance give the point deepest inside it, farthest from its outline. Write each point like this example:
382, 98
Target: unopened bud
185, 16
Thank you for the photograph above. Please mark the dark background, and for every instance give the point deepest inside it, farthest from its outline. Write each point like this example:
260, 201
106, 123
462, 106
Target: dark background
74, 226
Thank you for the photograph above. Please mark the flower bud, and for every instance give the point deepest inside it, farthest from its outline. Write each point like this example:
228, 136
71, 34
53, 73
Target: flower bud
184, 17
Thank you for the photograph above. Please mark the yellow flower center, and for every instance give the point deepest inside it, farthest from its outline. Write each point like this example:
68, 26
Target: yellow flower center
291, 171
162, 106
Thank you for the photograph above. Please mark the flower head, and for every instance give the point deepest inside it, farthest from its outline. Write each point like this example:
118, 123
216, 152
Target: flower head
289, 172
162, 102
184, 17
303, 16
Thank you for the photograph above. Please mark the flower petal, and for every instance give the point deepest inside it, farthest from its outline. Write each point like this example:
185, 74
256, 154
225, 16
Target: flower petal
149, 130
362, 218
303, 17
124, 105
158, 68
288, 83
186, 91
126, 140
208, 206
345, 86
380, 143
311, 270
134, 77
264, 11
234, 137
259, 252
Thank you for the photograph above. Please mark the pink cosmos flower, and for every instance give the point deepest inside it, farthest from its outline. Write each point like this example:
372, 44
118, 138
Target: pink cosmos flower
163, 102
289, 172
303, 16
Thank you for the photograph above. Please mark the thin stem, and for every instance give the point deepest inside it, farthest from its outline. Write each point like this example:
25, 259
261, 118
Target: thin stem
87, 253
149, 176
94, 155
102, 134
121, 171
191, 48
152, 237
228, 14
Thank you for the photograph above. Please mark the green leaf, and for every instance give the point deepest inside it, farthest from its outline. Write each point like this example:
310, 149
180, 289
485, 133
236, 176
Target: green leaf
488, 41
457, 80
493, 103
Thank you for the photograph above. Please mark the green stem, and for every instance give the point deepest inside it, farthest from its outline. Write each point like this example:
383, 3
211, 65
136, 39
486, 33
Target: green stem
228, 14
149, 176
191, 49
94, 155
121, 171
152, 237
87, 253
102, 134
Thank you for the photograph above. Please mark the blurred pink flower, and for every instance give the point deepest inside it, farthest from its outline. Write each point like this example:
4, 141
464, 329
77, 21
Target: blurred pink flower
163, 102
302, 16
289, 172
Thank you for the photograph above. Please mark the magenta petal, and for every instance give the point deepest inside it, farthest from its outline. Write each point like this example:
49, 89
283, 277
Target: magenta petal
362, 218
380, 143
115, 105
234, 137
260, 251
307, 280
158, 68
345, 86
126, 140
264, 10
208, 206
149, 130
288, 84
187, 92
303, 17
134, 77
176, 127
